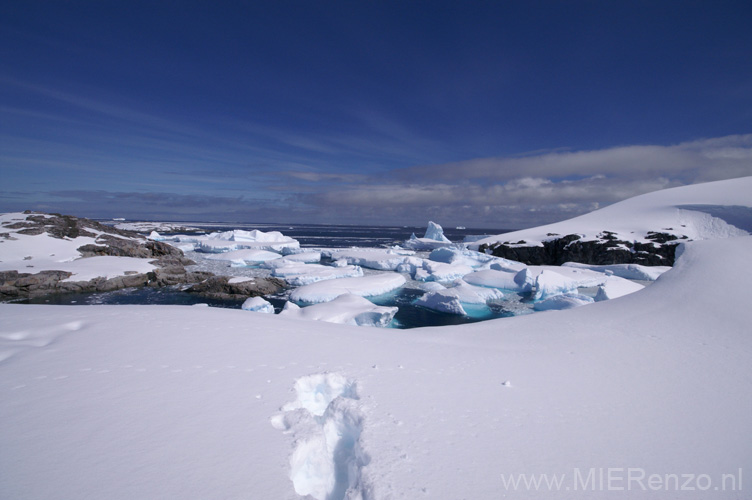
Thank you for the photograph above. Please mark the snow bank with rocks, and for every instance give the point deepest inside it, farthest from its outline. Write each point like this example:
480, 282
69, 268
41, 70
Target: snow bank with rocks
32, 253
693, 211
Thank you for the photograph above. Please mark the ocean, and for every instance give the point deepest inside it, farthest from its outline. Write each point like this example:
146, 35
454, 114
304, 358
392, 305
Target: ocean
312, 236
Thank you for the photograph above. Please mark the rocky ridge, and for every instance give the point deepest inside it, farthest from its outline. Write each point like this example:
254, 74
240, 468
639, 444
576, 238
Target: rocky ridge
170, 262
659, 250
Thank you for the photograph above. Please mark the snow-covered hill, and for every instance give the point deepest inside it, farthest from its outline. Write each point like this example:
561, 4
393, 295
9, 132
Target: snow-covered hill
702, 211
643, 396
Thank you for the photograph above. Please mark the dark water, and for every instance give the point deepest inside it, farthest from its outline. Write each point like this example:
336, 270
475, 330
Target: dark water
338, 236
408, 316
309, 235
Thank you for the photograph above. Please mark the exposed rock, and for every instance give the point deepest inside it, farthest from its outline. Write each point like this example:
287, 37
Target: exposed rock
108, 244
169, 260
218, 287
607, 250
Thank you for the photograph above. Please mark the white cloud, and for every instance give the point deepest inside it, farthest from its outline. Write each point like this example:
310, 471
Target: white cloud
539, 188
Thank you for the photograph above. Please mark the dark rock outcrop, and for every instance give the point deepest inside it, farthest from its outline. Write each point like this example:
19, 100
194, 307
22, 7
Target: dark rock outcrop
169, 260
107, 244
603, 251
219, 287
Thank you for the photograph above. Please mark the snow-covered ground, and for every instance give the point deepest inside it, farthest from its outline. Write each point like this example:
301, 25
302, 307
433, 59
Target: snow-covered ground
643, 396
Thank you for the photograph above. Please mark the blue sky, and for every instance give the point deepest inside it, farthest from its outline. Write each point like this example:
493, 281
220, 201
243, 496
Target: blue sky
485, 114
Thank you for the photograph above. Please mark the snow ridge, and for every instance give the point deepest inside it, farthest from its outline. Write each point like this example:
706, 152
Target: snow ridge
326, 422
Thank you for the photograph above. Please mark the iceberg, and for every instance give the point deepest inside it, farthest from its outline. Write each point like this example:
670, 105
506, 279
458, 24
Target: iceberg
435, 232
257, 304
504, 280
246, 256
440, 302
614, 287
549, 283
453, 255
347, 309
434, 238
305, 274
450, 300
371, 258
439, 271
228, 241
563, 301
365, 286
307, 257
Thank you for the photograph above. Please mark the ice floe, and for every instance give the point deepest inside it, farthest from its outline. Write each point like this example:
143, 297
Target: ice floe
615, 286
451, 299
258, 304
237, 239
246, 256
562, 301
365, 286
347, 309
305, 274
371, 258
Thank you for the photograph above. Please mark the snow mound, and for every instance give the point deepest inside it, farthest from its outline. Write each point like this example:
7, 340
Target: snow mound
346, 309
365, 286
257, 304
326, 422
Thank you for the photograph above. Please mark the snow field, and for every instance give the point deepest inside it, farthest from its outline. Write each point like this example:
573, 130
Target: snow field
326, 422
175, 402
